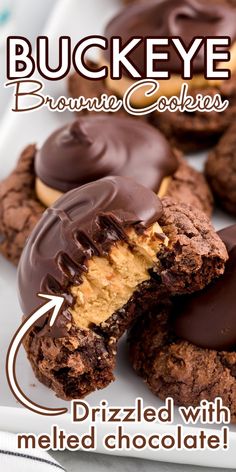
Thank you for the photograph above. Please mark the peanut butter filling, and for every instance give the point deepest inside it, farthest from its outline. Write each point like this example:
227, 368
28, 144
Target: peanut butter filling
164, 187
48, 196
111, 281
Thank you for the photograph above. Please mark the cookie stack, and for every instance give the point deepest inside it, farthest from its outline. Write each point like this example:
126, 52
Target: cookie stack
186, 19
114, 219
92, 147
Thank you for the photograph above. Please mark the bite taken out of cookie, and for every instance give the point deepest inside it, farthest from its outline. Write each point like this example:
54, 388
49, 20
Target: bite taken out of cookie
186, 347
112, 249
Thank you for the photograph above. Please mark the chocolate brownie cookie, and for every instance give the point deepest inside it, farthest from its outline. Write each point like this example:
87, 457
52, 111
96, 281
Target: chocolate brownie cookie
19, 209
112, 250
90, 148
221, 170
198, 130
185, 348
189, 186
187, 19
97, 146
184, 130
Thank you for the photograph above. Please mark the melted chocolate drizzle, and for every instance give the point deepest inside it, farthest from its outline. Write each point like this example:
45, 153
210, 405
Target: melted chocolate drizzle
84, 222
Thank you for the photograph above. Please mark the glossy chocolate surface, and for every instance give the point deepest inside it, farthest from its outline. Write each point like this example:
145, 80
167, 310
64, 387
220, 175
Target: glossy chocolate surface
208, 318
94, 147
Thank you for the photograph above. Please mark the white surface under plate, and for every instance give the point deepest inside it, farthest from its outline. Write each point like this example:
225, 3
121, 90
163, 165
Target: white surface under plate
77, 19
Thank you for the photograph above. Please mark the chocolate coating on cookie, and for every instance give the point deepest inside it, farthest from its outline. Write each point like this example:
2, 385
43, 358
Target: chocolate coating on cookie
208, 318
83, 223
98, 146
184, 18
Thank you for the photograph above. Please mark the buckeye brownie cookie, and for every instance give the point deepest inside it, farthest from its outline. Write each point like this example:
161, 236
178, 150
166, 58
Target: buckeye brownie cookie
184, 130
221, 170
103, 248
97, 146
186, 347
186, 19
90, 148
20, 208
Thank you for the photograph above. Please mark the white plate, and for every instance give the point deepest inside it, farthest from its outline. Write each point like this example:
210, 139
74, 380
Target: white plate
77, 19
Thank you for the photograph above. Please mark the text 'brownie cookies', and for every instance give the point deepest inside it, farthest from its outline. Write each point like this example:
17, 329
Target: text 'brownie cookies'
83, 151
102, 246
186, 348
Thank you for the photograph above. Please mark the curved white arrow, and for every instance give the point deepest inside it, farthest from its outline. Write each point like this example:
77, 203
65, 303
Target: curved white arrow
55, 304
